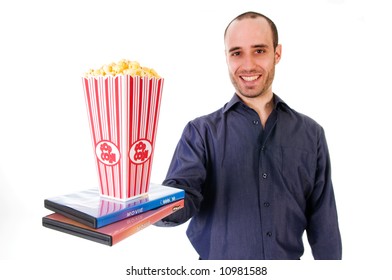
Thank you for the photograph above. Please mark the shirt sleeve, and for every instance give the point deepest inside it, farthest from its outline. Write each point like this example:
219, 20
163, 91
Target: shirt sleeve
188, 172
323, 229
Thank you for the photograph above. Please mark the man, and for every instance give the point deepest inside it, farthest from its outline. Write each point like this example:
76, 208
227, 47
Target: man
256, 173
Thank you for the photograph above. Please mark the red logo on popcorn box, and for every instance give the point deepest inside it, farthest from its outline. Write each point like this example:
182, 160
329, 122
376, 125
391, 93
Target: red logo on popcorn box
140, 151
107, 153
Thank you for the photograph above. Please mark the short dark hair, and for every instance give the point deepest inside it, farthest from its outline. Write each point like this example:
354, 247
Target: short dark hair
275, 38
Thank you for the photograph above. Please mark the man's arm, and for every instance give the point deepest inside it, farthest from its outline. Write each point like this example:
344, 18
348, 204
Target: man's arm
323, 229
187, 171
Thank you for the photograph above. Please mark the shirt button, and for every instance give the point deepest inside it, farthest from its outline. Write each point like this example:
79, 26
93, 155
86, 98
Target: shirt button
265, 176
266, 204
255, 122
269, 234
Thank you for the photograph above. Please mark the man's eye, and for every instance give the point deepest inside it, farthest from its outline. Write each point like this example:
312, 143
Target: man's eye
260, 51
235, 54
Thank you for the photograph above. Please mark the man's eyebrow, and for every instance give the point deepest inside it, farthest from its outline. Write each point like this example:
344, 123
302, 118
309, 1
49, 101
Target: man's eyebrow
234, 49
258, 46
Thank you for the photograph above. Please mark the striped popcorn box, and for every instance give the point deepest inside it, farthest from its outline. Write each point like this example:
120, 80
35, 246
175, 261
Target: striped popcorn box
123, 113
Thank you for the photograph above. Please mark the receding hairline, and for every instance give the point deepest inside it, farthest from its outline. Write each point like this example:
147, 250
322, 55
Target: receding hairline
253, 15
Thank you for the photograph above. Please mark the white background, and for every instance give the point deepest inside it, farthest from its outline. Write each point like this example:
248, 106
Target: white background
334, 68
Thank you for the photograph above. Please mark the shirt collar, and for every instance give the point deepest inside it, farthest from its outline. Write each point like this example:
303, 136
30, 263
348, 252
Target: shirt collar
278, 103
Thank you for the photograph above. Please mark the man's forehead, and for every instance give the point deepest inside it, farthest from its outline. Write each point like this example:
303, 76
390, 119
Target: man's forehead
249, 29
260, 22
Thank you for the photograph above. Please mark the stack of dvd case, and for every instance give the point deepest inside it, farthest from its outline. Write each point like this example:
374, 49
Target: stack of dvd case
89, 215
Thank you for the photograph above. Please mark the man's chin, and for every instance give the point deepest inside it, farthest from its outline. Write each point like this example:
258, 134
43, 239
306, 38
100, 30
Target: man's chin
250, 94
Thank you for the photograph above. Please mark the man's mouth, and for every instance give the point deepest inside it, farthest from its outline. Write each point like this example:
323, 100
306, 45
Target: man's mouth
250, 78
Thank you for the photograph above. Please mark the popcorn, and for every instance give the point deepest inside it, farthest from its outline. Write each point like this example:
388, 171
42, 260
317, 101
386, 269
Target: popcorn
123, 67
123, 103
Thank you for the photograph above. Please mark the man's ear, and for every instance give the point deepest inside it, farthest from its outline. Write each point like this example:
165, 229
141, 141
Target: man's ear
278, 53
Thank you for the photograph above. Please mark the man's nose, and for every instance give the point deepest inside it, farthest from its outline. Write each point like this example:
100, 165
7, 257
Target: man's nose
248, 62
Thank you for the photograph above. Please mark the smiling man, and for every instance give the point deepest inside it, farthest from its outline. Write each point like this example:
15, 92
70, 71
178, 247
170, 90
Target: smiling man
251, 58
256, 172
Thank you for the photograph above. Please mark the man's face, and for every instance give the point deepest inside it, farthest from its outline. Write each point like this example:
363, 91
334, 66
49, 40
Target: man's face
251, 57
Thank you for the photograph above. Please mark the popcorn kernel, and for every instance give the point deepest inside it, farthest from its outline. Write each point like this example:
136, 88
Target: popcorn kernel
123, 67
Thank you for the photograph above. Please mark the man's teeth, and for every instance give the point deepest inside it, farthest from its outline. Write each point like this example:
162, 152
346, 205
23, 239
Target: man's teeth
249, 79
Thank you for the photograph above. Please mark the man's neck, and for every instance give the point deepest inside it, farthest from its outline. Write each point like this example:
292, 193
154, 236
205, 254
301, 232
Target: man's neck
262, 104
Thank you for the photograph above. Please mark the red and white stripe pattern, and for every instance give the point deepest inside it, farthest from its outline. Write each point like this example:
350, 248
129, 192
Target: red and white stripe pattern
123, 113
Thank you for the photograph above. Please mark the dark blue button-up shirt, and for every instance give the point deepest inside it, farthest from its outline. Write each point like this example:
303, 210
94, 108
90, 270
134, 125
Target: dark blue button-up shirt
252, 191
